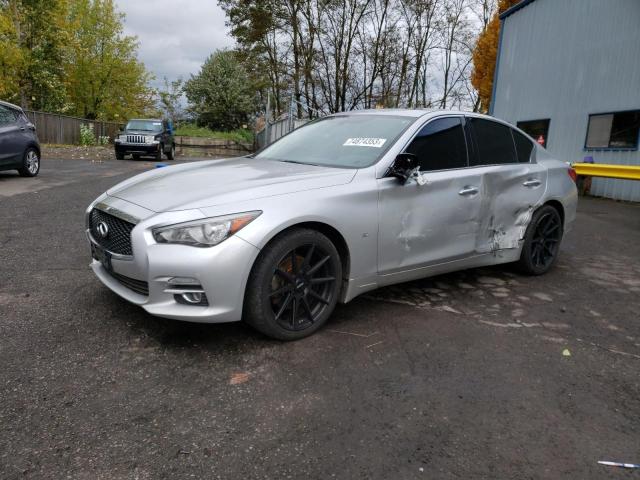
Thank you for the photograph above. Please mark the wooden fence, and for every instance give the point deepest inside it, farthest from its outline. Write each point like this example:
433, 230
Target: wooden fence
65, 130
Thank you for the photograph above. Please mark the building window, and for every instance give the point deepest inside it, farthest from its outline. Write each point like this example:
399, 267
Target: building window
614, 130
536, 129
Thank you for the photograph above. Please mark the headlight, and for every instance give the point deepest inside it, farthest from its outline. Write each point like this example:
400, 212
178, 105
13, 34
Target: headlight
207, 232
149, 139
122, 138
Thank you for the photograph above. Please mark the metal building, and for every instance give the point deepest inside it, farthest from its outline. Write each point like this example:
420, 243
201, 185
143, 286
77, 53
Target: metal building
568, 73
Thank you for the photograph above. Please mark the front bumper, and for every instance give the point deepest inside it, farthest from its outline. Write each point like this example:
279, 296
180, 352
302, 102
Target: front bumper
137, 148
222, 272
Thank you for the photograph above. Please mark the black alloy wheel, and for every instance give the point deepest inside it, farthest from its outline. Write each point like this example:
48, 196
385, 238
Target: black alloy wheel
294, 285
542, 241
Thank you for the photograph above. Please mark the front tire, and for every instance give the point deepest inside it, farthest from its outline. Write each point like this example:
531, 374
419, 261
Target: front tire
172, 153
119, 156
541, 241
294, 285
30, 163
159, 153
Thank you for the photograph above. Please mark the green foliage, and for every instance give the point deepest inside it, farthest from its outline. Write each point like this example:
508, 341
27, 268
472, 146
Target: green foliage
71, 56
33, 39
242, 135
105, 78
220, 94
87, 135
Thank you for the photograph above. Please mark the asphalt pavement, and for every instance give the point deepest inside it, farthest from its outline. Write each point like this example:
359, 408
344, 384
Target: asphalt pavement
482, 374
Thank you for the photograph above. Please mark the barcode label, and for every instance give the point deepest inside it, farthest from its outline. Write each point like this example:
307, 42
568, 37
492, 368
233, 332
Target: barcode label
364, 142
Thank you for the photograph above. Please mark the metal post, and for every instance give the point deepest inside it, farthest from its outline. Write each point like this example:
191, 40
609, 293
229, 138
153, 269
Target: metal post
267, 114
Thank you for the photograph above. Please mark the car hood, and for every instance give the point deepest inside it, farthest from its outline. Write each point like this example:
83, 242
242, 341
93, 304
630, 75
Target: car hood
216, 182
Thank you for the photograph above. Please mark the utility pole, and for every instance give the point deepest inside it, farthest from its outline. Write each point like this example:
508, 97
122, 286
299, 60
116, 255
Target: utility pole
267, 114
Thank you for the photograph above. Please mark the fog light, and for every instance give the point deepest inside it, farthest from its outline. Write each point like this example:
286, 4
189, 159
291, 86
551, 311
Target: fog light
192, 297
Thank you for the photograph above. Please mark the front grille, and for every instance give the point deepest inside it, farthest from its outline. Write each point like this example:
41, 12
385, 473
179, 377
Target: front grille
118, 238
139, 286
136, 139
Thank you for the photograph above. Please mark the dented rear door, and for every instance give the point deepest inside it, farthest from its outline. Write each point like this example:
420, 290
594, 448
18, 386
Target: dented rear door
513, 184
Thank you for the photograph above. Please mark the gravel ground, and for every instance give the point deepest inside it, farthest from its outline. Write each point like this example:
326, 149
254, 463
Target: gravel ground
483, 374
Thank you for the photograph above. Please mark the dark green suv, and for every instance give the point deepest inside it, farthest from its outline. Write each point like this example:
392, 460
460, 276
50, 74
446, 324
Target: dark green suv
146, 137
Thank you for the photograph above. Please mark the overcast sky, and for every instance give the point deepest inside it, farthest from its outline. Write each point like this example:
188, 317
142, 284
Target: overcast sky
176, 36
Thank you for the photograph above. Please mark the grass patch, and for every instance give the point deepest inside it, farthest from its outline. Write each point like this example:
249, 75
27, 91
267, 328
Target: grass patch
239, 135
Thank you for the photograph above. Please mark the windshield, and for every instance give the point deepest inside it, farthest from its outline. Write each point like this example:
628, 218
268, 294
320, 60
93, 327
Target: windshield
145, 125
347, 141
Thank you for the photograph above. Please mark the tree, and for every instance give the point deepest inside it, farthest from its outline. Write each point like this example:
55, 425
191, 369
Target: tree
104, 77
220, 94
11, 57
170, 98
33, 37
484, 56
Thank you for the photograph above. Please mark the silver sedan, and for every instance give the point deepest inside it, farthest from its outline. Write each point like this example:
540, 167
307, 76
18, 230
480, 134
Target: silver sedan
339, 207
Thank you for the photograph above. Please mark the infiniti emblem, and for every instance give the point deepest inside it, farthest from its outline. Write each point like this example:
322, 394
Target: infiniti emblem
103, 229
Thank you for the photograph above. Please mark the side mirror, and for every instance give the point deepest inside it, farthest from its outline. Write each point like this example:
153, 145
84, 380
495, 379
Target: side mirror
403, 166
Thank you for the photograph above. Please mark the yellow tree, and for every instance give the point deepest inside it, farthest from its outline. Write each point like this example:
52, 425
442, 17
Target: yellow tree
11, 57
105, 79
484, 56
33, 38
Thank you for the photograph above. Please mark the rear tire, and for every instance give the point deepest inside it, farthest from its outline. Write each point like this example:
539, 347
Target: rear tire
294, 285
30, 163
541, 242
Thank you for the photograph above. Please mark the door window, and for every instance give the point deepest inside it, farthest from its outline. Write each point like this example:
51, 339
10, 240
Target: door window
440, 145
7, 117
494, 142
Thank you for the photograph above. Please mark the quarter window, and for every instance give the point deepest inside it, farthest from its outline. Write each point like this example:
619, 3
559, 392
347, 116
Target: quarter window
494, 142
440, 145
537, 129
613, 130
523, 147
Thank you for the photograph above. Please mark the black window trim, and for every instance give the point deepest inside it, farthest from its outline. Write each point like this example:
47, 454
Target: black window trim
513, 141
546, 143
610, 149
462, 119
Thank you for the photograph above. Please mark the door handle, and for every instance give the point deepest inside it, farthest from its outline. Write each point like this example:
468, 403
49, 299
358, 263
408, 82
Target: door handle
532, 183
468, 190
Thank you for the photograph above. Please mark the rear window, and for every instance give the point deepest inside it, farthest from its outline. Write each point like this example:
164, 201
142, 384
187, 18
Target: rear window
494, 142
524, 147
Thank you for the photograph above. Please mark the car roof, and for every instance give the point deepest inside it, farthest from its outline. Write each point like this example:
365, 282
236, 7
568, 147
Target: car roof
10, 105
414, 113
145, 119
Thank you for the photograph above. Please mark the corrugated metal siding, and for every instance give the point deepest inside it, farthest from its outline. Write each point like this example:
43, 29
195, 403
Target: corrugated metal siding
564, 60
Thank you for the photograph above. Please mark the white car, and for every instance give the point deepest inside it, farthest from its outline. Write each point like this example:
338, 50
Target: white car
339, 207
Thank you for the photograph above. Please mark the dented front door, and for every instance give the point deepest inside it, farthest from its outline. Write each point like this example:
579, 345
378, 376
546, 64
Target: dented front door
422, 225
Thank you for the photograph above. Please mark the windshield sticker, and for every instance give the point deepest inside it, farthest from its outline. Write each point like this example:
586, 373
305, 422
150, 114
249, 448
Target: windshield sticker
364, 142
157, 123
